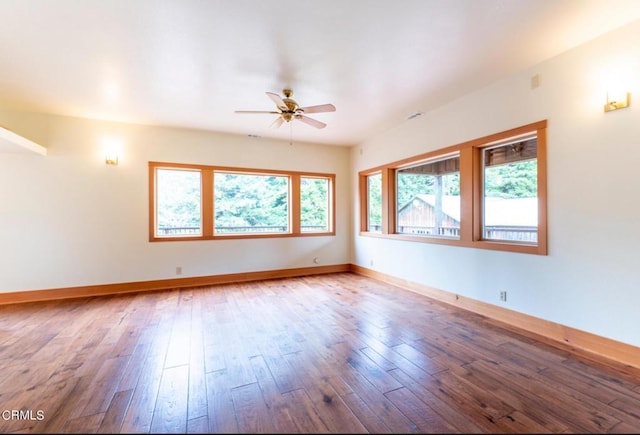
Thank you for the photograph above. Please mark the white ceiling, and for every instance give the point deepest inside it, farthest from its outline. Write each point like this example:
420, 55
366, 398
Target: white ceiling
192, 63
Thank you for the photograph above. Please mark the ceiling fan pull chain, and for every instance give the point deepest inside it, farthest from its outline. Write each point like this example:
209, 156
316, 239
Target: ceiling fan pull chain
291, 134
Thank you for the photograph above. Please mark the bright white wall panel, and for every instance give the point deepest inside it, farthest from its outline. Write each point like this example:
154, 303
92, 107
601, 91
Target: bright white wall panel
68, 219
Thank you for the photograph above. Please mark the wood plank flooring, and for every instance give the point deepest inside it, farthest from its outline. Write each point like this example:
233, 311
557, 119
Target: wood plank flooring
338, 353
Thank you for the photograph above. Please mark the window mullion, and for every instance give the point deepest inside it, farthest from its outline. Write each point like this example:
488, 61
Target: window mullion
478, 193
207, 203
384, 200
467, 194
388, 201
294, 203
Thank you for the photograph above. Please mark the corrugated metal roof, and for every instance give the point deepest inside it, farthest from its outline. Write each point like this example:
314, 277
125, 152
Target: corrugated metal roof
498, 211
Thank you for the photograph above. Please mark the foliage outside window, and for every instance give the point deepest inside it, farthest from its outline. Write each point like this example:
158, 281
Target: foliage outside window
195, 202
248, 203
487, 193
510, 197
428, 198
374, 203
178, 201
315, 204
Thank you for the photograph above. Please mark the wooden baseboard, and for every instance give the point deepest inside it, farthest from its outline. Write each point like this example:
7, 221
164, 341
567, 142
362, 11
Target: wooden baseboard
577, 340
164, 284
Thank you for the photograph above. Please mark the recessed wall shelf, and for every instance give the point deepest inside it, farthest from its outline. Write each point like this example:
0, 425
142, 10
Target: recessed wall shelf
11, 142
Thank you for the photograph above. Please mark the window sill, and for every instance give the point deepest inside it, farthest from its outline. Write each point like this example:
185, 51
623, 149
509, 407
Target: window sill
523, 248
237, 236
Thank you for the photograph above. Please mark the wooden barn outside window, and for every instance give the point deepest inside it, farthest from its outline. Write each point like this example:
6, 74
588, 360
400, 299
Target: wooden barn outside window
428, 198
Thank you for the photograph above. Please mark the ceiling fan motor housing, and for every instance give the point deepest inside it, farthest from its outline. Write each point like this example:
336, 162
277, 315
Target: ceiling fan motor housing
287, 116
292, 106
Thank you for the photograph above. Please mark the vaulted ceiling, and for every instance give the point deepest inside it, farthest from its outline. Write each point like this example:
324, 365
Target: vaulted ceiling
192, 63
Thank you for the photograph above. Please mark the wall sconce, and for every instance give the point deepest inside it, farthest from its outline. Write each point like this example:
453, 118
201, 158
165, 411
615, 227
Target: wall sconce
616, 100
111, 159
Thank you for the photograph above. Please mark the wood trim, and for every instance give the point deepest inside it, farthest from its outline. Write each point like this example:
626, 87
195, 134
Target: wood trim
388, 200
232, 169
476, 193
467, 217
441, 152
499, 245
164, 284
496, 138
332, 203
294, 201
206, 202
384, 191
542, 191
152, 202
363, 200
557, 334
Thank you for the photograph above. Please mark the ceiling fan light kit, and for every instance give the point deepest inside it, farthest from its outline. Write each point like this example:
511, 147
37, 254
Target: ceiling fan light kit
289, 109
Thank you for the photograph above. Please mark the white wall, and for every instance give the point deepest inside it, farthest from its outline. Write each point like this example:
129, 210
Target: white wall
591, 278
67, 219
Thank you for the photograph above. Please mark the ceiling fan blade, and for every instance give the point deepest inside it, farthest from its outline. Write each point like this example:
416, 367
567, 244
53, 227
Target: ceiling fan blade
278, 122
319, 108
257, 111
312, 122
278, 100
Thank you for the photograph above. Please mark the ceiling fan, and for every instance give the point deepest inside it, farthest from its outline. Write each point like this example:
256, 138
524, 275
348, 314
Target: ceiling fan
289, 110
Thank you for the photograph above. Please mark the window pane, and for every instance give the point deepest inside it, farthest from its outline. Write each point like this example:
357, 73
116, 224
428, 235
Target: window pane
247, 203
314, 204
428, 198
178, 199
374, 203
511, 192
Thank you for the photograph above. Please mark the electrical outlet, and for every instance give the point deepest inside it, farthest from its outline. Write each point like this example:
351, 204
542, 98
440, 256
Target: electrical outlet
316, 260
503, 296
535, 81
178, 270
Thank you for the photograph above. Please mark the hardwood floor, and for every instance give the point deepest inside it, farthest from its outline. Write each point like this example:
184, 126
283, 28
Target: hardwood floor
331, 353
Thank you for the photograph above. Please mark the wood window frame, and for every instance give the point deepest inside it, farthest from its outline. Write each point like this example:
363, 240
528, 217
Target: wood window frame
364, 194
471, 193
208, 206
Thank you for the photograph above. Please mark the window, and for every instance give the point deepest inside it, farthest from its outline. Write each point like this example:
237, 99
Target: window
194, 202
428, 198
510, 191
249, 203
178, 202
487, 193
374, 202
315, 204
